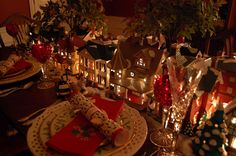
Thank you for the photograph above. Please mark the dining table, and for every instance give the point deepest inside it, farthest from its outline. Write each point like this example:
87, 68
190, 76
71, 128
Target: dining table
23, 102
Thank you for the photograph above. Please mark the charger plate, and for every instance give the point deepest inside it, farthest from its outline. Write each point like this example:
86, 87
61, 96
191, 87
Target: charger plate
22, 75
57, 116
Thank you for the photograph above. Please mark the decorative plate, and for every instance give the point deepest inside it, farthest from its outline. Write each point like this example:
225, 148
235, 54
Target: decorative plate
56, 117
33, 136
23, 75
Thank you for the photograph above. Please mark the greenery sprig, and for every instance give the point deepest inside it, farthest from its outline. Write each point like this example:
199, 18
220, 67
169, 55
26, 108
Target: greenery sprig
175, 18
60, 18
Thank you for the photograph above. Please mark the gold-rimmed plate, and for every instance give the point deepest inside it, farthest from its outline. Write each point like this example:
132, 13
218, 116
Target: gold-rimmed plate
22, 75
50, 122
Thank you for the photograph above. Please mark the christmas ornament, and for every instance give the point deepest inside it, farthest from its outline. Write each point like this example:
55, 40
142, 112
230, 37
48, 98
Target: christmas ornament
211, 139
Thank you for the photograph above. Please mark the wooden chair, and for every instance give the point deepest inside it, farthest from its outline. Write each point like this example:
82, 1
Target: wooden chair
1, 42
21, 23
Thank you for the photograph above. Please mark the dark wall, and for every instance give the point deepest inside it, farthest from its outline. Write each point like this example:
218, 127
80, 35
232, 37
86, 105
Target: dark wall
122, 8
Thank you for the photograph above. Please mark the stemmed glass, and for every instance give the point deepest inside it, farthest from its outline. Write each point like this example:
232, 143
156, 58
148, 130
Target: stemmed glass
185, 75
162, 137
42, 52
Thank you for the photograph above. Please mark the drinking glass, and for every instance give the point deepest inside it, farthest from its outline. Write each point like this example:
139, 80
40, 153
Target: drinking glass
162, 137
42, 52
185, 75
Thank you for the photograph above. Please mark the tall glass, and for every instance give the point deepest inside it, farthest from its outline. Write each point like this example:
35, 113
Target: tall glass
162, 137
42, 52
185, 75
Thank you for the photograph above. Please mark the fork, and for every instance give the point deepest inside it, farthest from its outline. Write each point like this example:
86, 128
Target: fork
23, 119
11, 90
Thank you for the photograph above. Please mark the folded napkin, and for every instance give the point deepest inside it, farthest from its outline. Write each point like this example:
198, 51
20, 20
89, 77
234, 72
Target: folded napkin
80, 137
18, 66
7, 64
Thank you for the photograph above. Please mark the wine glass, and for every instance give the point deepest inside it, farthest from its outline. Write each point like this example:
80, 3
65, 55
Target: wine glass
162, 137
42, 52
185, 75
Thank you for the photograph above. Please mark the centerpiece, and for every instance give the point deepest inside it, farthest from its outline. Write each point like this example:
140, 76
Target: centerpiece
177, 20
63, 18
62, 24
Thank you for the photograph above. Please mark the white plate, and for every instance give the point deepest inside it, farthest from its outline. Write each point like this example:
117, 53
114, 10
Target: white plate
24, 75
41, 130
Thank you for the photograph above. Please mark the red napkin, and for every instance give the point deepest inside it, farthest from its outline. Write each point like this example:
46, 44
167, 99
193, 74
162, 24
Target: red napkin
79, 137
18, 66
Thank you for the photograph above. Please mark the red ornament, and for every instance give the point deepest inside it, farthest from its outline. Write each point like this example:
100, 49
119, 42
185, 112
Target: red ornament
162, 91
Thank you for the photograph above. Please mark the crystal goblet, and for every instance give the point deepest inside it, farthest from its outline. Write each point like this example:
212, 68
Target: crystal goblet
162, 137
185, 75
42, 52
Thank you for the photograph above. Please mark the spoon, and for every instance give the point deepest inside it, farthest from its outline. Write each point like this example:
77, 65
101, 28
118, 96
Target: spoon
25, 86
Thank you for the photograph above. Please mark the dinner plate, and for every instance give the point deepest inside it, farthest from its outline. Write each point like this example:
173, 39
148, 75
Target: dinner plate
60, 117
14, 74
23, 75
57, 123
33, 139
56, 117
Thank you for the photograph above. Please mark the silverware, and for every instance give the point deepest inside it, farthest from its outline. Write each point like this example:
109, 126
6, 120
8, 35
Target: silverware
11, 90
154, 153
23, 119
28, 120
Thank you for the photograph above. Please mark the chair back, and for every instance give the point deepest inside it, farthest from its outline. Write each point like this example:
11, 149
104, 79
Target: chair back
1, 42
17, 26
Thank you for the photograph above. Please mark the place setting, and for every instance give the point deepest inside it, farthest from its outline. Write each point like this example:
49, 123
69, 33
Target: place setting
16, 72
61, 122
16, 68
